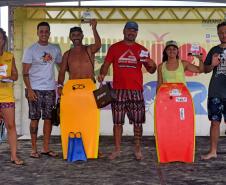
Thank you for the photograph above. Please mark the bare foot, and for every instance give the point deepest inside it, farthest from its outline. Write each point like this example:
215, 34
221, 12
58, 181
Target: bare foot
209, 156
114, 155
138, 155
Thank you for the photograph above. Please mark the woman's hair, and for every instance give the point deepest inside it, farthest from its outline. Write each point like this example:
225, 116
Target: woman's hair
4, 38
165, 56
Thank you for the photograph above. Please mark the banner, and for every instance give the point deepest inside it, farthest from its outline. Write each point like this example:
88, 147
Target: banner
153, 35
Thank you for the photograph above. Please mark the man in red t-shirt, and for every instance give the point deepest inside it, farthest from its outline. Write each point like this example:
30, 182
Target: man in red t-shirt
127, 58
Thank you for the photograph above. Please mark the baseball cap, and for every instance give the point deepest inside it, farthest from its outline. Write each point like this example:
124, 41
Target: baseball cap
171, 43
131, 25
76, 28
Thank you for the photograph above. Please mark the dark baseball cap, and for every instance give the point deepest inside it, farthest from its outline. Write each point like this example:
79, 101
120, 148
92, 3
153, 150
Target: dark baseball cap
131, 25
76, 28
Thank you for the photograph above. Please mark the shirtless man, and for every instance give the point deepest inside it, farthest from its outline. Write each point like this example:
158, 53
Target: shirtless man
79, 60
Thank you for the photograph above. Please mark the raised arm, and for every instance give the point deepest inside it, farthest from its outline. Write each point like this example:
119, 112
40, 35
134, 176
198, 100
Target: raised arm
201, 64
97, 45
150, 65
215, 62
193, 68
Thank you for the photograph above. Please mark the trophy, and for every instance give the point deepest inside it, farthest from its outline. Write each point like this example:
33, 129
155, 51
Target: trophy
195, 50
86, 17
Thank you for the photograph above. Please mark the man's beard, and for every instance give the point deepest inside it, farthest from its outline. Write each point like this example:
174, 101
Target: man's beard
130, 38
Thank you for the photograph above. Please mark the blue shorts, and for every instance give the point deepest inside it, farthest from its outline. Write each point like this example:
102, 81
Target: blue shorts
216, 108
130, 102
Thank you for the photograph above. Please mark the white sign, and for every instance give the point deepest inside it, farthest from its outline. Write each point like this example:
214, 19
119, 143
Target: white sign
3, 70
86, 17
181, 99
144, 55
195, 49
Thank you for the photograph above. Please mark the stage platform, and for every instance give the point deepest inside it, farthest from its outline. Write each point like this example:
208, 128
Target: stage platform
123, 170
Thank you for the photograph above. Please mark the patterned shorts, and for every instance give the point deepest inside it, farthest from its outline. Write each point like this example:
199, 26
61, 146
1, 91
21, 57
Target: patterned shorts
43, 106
5, 105
216, 107
130, 102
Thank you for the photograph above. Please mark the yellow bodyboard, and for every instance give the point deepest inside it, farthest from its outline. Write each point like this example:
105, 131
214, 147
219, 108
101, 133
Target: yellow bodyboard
79, 113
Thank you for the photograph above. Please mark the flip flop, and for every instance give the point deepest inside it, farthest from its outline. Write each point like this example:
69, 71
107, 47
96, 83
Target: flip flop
18, 162
100, 155
50, 153
34, 155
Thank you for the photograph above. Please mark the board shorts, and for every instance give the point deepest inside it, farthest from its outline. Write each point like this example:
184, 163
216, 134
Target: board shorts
130, 102
43, 106
216, 108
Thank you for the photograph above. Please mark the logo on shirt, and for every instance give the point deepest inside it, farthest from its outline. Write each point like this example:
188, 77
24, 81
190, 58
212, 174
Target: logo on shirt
47, 58
221, 69
127, 60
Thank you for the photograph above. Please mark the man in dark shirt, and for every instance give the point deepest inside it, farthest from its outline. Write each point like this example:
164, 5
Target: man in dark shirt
216, 62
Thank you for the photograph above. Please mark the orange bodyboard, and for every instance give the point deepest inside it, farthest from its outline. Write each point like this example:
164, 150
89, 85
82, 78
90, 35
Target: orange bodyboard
174, 124
79, 113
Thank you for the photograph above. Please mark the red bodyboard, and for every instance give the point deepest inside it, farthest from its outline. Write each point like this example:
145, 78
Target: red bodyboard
174, 124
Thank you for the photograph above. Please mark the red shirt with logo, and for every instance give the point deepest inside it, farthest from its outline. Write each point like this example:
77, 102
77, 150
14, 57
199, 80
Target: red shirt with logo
126, 60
